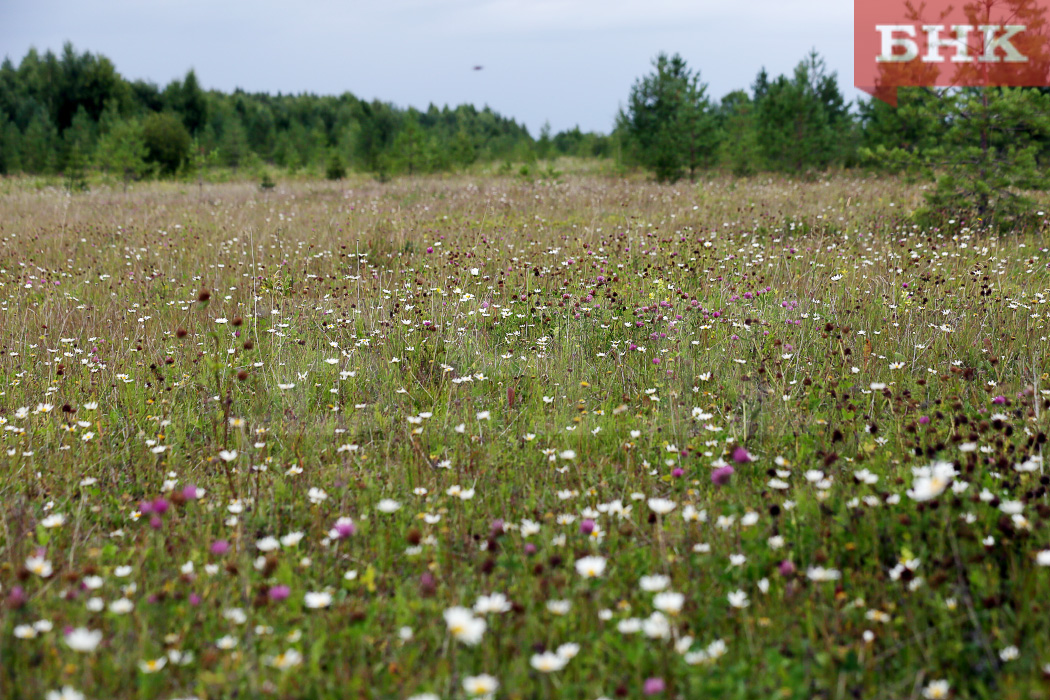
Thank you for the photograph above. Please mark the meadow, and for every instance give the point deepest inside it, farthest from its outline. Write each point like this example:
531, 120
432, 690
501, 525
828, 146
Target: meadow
478, 437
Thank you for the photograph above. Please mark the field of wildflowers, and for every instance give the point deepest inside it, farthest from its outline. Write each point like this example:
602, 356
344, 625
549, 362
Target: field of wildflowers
482, 438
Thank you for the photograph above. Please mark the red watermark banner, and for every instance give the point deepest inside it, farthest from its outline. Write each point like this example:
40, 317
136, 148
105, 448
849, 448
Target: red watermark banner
938, 43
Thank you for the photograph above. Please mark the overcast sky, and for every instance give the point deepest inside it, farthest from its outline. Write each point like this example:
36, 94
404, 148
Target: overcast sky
570, 62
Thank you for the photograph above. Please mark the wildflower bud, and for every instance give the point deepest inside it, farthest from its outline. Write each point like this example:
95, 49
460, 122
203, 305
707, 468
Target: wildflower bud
204, 296
496, 528
721, 476
190, 492
652, 686
155, 522
16, 598
786, 568
160, 506
220, 547
237, 321
344, 527
278, 593
248, 345
741, 456
242, 375
427, 585
678, 472
414, 536
180, 333
587, 527
530, 548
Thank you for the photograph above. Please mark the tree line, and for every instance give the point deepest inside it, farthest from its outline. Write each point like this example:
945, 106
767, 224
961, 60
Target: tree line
985, 149
75, 111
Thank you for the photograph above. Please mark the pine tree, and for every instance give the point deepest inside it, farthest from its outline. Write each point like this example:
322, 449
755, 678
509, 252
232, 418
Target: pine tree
233, 145
121, 149
738, 146
336, 167
802, 120
910, 125
79, 136
668, 121
408, 148
544, 145
39, 145
463, 151
988, 156
76, 170
10, 151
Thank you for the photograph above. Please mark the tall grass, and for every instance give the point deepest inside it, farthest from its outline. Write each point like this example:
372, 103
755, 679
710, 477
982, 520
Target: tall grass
266, 443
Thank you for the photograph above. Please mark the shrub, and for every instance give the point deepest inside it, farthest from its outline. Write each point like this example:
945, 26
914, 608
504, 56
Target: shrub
167, 142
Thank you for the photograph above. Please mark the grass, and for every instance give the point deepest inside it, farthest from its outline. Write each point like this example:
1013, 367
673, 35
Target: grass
495, 381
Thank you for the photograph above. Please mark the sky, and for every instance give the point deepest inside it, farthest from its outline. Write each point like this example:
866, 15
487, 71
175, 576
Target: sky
566, 62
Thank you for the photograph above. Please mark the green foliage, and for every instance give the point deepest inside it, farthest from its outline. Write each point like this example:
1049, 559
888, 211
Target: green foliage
80, 136
544, 145
915, 123
983, 160
40, 144
10, 151
233, 144
410, 153
802, 121
42, 96
574, 142
189, 101
336, 168
669, 121
75, 171
167, 142
121, 148
738, 149
463, 151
